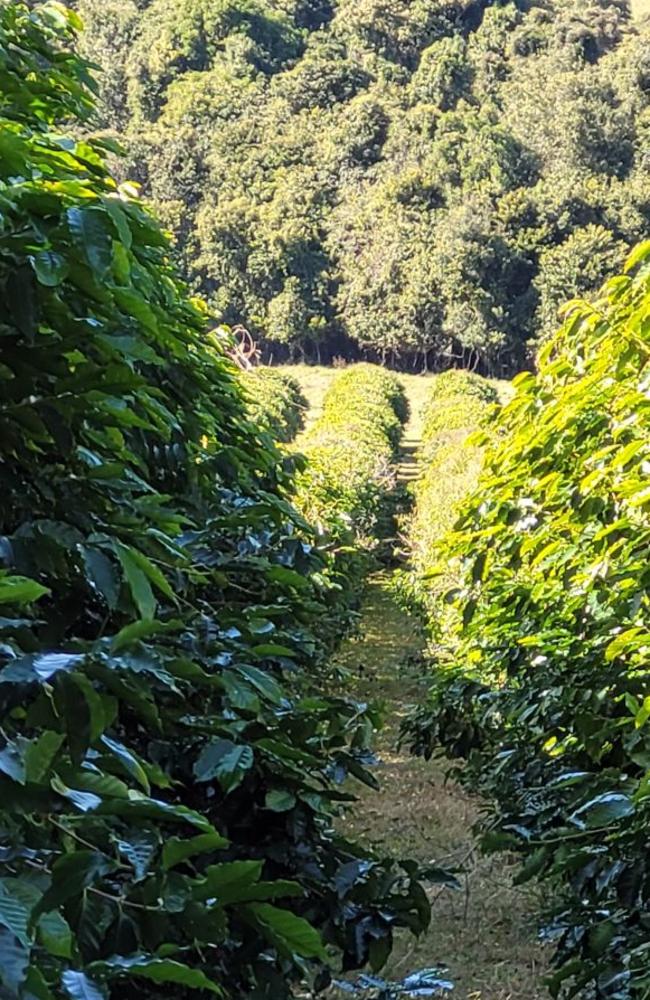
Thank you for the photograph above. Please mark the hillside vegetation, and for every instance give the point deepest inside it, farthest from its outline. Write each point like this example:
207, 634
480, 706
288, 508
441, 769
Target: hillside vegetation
459, 403
424, 179
350, 448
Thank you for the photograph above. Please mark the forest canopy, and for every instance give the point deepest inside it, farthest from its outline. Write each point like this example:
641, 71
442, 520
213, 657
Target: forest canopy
414, 178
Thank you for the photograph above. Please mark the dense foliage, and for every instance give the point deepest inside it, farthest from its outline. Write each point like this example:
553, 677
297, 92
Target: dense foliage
275, 402
549, 702
459, 403
417, 177
349, 480
168, 773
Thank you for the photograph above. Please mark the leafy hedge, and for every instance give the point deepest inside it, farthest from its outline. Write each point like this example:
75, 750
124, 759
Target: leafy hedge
550, 701
459, 403
168, 775
349, 475
275, 401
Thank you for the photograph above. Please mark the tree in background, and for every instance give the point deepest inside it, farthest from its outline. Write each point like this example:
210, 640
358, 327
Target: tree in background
400, 174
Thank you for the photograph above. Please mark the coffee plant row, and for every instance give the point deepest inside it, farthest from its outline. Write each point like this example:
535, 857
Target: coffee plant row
169, 769
349, 479
275, 402
458, 404
548, 701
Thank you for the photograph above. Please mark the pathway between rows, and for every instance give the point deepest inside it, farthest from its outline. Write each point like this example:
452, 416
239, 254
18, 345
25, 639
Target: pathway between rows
485, 934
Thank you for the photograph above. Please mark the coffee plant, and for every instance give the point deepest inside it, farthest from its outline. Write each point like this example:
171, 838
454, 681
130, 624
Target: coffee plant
548, 701
349, 480
169, 770
459, 403
275, 402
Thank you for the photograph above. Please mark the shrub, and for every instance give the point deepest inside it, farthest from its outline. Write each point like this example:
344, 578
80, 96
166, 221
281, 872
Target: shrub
275, 401
169, 775
548, 699
458, 404
349, 476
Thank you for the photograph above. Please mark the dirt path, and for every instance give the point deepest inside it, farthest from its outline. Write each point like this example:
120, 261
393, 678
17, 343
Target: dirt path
485, 933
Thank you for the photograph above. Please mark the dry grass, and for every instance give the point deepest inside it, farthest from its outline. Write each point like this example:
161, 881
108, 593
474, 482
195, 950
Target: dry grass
314, 381
640, 8
485, 934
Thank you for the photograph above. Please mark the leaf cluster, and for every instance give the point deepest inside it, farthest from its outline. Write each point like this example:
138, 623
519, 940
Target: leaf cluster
547, 700
459, 404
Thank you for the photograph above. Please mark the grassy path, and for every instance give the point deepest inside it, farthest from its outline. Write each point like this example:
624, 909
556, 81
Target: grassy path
485, 934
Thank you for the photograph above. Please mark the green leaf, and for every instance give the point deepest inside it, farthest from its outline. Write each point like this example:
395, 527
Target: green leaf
139, 849
600, 937
138, 582
144, 808
79, 986
280, 889
102, 575
12, 763
40, 755
177, 850
141, 630
39, 667
120, 220
162, 970
14, 961
84, 801
51, 268
36, 986
603, 811
14, 911
55, 934
20, 590
94, 705
127, 760
532, 866
273, 649
262, 681
71, 874
290, 934
153, 573
226, 761
90, 235
134, 305
224, 877
278, 800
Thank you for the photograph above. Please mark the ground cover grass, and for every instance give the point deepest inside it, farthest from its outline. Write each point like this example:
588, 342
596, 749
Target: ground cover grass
485, 932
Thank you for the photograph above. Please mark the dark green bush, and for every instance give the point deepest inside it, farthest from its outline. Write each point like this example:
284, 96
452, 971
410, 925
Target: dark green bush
275, 401
169, 774
548, 699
